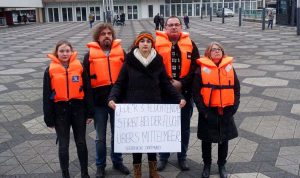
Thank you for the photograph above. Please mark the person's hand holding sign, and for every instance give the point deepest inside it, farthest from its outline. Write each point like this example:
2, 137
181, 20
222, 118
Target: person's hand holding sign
182, 103
112, 104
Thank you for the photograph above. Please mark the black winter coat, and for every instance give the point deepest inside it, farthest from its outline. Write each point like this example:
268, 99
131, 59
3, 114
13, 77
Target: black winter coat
139, 84
213, 127
75, 107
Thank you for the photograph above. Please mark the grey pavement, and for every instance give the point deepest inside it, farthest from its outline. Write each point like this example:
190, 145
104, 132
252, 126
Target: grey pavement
267, 63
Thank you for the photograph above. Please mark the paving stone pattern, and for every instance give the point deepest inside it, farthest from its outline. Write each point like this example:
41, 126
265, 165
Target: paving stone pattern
267, 63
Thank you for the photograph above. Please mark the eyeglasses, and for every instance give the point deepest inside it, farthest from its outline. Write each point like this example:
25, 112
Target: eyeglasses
215, 49
175, 24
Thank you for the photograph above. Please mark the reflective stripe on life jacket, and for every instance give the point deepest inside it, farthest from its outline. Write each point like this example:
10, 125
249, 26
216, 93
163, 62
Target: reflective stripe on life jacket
163, 47
104, 70
66, 83
218, 82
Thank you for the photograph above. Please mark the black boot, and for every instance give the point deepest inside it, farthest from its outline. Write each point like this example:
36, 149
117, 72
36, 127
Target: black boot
161, 165
100, 172
206, 171
85, 174
65, 173
223, 172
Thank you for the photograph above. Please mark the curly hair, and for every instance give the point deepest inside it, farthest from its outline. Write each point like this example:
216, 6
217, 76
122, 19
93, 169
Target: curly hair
100, 27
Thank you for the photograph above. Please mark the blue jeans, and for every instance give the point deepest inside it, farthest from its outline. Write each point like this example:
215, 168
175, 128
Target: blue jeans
100, 123
186, 114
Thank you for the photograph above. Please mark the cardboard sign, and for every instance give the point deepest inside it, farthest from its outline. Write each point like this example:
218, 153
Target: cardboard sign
147, 128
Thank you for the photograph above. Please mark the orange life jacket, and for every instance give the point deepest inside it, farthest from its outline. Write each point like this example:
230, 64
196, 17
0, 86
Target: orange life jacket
218, 82
67, 83
104, 70
163, 47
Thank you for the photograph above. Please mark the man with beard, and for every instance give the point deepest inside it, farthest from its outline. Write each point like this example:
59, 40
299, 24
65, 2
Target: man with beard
179, 54
103, 63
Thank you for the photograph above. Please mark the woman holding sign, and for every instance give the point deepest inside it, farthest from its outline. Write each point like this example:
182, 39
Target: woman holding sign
142, 80
216, 91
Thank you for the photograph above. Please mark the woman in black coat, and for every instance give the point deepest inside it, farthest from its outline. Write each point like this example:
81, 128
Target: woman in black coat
216, 91
143, 79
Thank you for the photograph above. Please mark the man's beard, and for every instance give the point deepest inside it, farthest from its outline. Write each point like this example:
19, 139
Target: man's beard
106, 44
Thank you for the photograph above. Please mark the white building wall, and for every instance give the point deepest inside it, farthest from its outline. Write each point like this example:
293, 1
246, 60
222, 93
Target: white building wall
21, 3
144, 12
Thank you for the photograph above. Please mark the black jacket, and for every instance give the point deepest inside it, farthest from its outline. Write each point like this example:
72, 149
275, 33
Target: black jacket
213, 127
139, 84
53, 110
100, 94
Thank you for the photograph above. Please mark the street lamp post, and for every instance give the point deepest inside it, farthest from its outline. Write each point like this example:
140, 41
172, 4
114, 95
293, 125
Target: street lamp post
201, 10
223, 15
240, 12
210, 12
263, 15
298, 17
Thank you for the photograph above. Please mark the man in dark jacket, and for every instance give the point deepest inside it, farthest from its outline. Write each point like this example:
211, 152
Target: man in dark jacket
179, 54
157, 21
103, 63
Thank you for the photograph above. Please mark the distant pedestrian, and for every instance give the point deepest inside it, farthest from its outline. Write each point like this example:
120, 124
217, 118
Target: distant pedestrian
270, 19
122, 18
19, 19
157, 21
162, 22
186, 20
91, 19
67, 102
24, 18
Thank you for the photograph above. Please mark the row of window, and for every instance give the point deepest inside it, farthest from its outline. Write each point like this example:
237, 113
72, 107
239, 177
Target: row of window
64, 14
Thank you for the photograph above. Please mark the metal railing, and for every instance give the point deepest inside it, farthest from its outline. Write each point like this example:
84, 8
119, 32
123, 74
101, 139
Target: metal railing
254, 14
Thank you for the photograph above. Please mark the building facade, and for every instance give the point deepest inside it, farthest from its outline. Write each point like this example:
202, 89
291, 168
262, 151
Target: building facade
76, 10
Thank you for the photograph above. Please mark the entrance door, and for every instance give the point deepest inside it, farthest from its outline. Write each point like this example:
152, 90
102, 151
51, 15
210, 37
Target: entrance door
81, 14
96, 11
188, 9
53, 15
118, 10
150, 10
67, 14
132, 12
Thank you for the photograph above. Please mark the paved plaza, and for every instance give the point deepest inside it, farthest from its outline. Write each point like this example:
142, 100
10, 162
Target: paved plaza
267, 63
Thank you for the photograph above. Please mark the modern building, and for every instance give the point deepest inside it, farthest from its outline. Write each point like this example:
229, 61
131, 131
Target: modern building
7, 8
286, 12
78, 10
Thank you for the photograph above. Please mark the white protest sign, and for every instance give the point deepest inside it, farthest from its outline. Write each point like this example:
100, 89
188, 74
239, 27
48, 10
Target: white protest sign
147, 128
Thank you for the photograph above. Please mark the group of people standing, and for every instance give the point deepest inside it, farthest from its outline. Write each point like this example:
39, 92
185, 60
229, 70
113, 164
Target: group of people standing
166, 70
159, 22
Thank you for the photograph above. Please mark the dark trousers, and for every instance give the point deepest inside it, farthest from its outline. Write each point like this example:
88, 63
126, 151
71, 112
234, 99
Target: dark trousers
186, 114
270, 23
156, 26
103, 114
137, 157
222, 152
63, 124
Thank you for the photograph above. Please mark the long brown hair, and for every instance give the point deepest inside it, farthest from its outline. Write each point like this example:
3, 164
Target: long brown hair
100, 27
209, 47
59, 43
